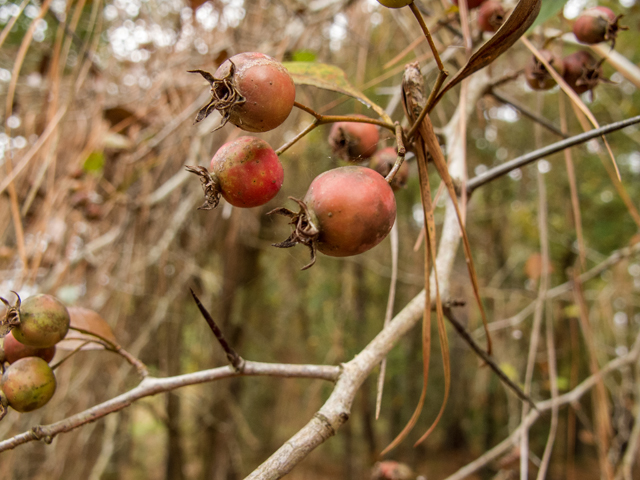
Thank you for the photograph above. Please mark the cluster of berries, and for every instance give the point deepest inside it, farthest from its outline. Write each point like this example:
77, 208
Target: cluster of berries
32, 328
346, 211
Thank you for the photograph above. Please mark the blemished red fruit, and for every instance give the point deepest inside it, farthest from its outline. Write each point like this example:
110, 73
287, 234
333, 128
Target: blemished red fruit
537, 76
346, 211
597, 24
251, 90
28, 384
384, 160
581, 71
354, 141
471, 3
246, 172
395, 3
491, 16
39, 321
14, 350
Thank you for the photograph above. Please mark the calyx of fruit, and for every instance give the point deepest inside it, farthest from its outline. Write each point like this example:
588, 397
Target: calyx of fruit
536, 74
346, 211
353, 141
251, 90
582, 71
491, 16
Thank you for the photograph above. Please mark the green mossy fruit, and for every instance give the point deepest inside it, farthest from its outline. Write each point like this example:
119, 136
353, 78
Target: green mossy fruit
28, 384
44, 321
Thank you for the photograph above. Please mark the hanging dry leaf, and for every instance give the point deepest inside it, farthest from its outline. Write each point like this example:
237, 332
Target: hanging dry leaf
89, 321
511, 30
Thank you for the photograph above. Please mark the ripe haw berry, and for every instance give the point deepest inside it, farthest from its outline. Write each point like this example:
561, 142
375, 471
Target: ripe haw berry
28, 384
14, 350
251, 90
537, 76
491, 16
471, 3
395, 3
246, 172
40, 321
346, 211
597, 24
384, 160
354, 141
582, 72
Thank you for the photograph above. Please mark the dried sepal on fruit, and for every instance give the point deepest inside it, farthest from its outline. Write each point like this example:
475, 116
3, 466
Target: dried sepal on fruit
346, 211
582, 71
353, 141
536, 74
251, 90
11, 316
245, 172
491, 16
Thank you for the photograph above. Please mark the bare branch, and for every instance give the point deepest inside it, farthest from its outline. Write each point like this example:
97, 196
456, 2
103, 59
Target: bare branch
152, 386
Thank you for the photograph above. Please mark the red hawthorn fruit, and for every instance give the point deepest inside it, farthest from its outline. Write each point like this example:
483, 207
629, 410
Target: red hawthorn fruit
470, 3
346, 211
597, 24
581, 71
246, 172
39, 321
383, 161
491, 16
251, 90
353, 141
14, 350
28, 384
537, 76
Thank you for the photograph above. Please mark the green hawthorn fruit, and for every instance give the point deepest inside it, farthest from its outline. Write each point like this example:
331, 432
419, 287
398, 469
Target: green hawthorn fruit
28, 384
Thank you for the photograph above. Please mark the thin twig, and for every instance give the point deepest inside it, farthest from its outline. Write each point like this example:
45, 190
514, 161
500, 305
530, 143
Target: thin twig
511, 165
528, 113
235, 360
466, 336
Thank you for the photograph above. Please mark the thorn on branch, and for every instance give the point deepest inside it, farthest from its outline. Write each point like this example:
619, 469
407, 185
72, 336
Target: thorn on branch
487, 358
236, 361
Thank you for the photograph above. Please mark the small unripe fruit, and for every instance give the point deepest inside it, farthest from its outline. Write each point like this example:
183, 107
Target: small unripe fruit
395, 3
491, 16
246, 172
353, 141
537, 76
28, 384
44, 321
581, 71
384, 160
14, 350
470, 3
251, 90
597, 24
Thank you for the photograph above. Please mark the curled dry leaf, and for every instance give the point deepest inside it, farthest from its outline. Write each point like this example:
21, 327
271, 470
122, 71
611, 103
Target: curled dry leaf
90, 321
511, 30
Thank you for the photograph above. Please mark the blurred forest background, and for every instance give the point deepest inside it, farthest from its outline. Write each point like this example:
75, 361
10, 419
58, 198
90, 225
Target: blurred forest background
100, 128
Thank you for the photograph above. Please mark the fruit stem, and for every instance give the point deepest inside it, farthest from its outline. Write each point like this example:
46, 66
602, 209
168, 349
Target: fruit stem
325, 119
416, 12
401, 153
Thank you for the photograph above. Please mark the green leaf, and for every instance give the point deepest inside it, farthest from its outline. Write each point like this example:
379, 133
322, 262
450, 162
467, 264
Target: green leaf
94, 162
304, 56
548, 9
329, 77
